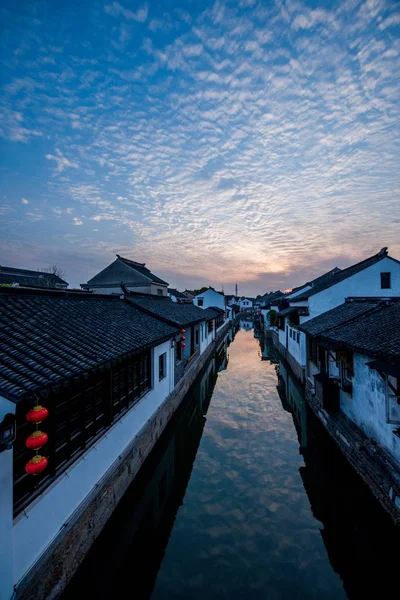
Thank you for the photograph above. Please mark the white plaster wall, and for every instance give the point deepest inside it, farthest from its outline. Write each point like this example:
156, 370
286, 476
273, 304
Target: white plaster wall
6, 512
282, 336
246, 304
57, 503
297, 350
365, 283
154, 287
207, 338
367, 407
210, 298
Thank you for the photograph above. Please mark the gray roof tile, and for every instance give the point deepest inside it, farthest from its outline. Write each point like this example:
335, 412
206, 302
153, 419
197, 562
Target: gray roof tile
46, 339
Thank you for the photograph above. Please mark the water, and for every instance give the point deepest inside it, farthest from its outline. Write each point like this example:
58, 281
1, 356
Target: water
245, 496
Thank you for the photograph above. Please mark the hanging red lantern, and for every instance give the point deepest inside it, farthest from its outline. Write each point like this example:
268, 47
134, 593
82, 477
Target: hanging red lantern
36, 440
37, 414
36, 465
183, 344
183, 331
183, 338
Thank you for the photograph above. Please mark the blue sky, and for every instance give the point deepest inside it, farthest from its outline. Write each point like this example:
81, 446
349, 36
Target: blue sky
219, 142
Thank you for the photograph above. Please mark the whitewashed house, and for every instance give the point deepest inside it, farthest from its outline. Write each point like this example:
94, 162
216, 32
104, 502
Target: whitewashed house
245, 304
177, 296
209, 298
134, 276
377, 276
353, 365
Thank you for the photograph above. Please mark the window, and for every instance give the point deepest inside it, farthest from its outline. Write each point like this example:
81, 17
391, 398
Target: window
200, 301
346, 370
197, 336
162, 366
385, 281
178, 350
210, 326
393, 399
77, 415
159, 292
298, 337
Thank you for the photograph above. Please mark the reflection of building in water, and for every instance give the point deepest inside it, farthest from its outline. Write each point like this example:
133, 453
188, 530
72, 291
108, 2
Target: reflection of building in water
131, 546
359, 537
267, 349
246, 325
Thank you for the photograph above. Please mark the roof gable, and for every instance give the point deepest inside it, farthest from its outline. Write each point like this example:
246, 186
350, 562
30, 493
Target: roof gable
142, 269
343, 274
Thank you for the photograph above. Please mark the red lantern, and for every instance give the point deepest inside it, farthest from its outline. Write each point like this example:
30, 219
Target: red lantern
183, 338
36, 465
183, 331
183, 344
36, 440
37, 414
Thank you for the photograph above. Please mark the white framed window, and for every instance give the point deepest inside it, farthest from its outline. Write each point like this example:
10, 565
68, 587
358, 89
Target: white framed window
392, 385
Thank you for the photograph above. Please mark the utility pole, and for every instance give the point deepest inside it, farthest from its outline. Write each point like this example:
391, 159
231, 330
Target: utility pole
236, 291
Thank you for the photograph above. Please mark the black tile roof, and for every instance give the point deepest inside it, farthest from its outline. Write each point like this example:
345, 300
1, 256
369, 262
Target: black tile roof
141, 268
287, 311
375, 330
211, 313
177, 294
10, 275
272, 296
337, 316
162, 307
47, 339
332, 277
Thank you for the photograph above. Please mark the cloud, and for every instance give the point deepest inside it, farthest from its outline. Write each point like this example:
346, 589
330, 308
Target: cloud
61, 161
24, 201
115, 10
263, 134
77, 221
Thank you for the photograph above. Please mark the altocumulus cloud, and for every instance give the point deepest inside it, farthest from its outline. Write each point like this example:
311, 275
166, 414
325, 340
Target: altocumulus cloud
240, 141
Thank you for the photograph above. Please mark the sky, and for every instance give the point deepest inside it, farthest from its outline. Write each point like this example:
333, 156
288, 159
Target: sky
222, 142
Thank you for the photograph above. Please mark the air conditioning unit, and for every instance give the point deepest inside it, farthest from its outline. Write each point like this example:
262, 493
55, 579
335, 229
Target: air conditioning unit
327, 392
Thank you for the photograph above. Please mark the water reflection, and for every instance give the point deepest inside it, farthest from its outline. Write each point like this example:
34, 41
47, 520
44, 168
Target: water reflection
253, 502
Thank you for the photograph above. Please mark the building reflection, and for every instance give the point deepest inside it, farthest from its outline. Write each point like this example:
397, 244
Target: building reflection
128, 553
360, 539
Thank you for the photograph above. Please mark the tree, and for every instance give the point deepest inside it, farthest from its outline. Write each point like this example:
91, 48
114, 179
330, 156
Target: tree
52, 271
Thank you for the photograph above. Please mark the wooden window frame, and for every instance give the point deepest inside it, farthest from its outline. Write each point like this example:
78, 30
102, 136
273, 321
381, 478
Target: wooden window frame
78, 416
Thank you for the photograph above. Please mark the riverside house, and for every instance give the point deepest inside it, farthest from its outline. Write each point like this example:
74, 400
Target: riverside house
134, 275
87, 384
353, 384
377, 276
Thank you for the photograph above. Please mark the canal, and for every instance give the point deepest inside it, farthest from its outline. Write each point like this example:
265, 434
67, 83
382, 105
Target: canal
244, 496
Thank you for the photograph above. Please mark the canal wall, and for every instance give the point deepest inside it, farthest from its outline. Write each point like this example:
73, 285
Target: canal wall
372, 463
49, 576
